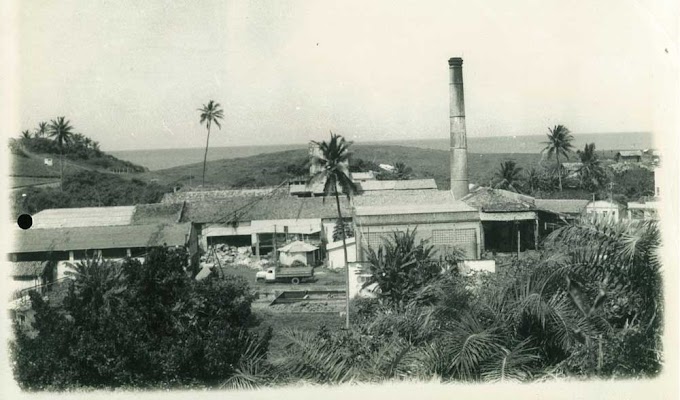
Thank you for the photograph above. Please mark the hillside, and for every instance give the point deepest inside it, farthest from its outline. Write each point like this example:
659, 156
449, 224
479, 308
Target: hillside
28, 167
271, 169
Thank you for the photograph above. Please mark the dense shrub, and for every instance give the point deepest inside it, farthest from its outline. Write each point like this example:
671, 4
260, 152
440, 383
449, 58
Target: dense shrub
89, 189
138, 325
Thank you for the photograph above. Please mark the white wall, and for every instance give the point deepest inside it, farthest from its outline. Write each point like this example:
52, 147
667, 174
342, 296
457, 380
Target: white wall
336, 257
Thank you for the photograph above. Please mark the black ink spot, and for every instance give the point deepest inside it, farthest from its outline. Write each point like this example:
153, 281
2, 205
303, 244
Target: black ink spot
25, 221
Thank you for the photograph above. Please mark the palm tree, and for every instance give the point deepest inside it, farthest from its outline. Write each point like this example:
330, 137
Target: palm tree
402, 171
559, 143
62, 132
508, 176
25, 135
210, 113
591, 171
332, 162
532, 176
42, 129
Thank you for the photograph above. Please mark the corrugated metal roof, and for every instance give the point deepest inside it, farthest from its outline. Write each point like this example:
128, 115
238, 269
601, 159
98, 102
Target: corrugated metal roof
407, 197
630, 153
562, 206
100, 237
454, 207
82, 217
413, 184
249, 209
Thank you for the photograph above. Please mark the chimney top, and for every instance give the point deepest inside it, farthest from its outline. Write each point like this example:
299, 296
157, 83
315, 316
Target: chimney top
455, 62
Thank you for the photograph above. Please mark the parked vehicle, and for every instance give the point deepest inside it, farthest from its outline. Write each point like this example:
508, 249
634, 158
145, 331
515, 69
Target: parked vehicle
294, 275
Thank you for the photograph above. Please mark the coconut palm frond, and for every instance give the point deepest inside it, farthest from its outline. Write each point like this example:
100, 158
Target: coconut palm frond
514, 364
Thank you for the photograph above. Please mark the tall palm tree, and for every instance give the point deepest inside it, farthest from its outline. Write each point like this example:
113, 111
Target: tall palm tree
332, 162
559, 143
210, 113
25, 135
42, 129
62, 132
591, 172
508, 176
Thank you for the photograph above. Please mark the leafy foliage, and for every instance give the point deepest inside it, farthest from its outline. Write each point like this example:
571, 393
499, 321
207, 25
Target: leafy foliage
559, 144
89, 189
508, 176
141, 325
401, 266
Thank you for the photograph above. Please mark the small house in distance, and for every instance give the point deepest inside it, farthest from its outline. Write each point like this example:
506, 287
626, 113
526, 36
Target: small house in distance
629, 156
302, 252
605, 209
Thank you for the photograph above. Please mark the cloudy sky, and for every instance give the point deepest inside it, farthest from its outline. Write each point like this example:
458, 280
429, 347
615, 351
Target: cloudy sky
133, 75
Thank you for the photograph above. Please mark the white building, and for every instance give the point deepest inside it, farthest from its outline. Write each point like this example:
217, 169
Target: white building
336, 256
606, 208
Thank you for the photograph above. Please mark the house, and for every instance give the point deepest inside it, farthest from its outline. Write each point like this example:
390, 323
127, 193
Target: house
437, 217
335, 253
363, 176
568, 209
629, 156
605, 209
509, 220
206, 195
644, 210
300, 252
571, 169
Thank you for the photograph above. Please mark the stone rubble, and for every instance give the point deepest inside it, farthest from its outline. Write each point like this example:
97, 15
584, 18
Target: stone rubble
232, 255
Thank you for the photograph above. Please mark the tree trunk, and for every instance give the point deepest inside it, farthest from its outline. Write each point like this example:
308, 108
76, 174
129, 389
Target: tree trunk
61, 167
559, 169
344, 249
205, 157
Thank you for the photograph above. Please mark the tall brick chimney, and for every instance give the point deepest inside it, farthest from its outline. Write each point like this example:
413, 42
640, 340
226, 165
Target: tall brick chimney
458, 163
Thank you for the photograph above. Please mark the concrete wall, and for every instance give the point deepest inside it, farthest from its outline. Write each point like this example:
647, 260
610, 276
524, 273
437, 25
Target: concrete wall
336, 256
605, 208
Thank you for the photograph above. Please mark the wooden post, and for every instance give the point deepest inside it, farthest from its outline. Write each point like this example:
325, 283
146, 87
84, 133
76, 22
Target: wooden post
276, 254
519, 240
536, 225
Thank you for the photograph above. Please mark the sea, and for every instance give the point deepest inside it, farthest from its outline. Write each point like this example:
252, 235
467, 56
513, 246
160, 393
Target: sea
167, 158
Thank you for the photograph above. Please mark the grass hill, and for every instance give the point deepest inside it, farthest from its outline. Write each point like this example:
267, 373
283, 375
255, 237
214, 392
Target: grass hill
271, 169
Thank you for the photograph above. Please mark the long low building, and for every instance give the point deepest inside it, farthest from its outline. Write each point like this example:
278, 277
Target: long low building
436, 216
68, 235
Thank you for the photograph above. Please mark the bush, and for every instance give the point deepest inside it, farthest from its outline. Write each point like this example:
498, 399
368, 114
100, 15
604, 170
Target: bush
138, 325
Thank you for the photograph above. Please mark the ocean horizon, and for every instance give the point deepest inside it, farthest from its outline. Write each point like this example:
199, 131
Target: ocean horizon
158, 159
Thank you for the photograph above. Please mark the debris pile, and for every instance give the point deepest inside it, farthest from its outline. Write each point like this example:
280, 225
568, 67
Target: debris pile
232, 255
310, 307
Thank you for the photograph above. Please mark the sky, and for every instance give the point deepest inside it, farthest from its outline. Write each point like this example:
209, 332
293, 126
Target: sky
132, 75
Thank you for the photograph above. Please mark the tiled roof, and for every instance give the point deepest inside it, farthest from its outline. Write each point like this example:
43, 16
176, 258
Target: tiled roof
203, 195
562, 206
100, 237
82, 217
498, 200
298, 247
251, 209
146, 214
454, 207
